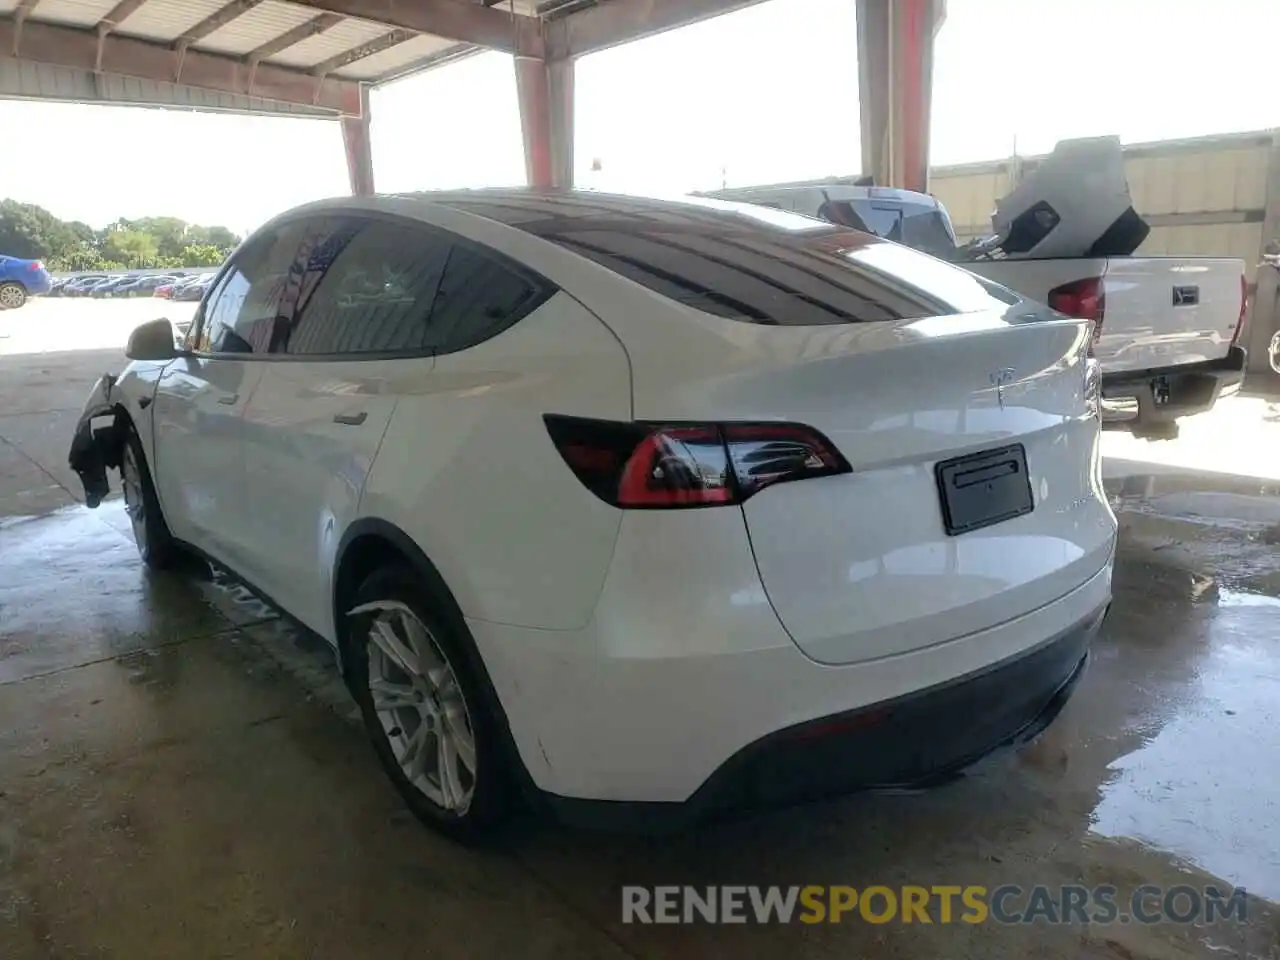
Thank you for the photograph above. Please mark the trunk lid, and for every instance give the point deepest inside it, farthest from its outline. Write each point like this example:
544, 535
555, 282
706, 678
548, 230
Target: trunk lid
861, 566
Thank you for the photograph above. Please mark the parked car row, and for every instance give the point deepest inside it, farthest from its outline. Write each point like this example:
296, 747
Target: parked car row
169, 286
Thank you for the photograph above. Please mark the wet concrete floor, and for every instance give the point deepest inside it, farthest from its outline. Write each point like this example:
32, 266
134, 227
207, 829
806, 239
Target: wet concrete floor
181, 775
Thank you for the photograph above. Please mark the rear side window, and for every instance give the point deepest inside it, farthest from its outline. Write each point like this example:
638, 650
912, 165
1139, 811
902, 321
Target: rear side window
737, 263
362, 286
478, 298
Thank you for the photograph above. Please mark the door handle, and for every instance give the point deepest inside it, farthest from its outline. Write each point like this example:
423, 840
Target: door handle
351, 419
229, 400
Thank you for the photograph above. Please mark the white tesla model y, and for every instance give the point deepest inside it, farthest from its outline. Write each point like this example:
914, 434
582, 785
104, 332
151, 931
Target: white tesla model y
639, 509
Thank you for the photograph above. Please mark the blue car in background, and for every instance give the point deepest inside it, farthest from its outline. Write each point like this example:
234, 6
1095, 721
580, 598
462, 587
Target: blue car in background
21, 279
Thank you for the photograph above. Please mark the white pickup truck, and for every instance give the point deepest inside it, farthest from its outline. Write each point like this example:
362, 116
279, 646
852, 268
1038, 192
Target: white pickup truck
1167, 329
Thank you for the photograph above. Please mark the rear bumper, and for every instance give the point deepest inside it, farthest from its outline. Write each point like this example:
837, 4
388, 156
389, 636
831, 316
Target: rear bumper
685, 666
917, 740
1160, 396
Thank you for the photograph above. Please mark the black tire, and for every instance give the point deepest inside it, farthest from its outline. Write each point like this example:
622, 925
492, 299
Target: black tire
156, 545
12, 296
491, 793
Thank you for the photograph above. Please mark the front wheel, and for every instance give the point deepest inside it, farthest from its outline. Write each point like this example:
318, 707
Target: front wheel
155, 543
424, 708
12, 296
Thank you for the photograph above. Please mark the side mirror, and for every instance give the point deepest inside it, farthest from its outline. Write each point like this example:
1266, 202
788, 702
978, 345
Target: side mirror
153, 340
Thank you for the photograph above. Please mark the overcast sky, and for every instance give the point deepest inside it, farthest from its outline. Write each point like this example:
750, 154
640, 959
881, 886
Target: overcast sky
765, 94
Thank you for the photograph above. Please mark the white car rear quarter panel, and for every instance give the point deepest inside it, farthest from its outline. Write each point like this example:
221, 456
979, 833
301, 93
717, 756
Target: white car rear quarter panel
469, 472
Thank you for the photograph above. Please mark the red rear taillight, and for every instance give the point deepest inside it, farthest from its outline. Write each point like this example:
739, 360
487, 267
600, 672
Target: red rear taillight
1083, 299
664, 466
1244, 310
36, 265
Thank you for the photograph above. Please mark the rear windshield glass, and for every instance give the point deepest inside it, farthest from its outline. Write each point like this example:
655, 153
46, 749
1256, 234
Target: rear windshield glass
747, 262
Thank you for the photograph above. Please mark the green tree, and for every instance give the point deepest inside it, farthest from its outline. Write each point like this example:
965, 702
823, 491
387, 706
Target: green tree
83, 232
219, 237
27, 230
170, 233
133, 248
83, 258
202, 255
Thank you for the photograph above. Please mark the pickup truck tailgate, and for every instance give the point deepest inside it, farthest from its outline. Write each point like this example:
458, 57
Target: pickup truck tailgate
1159, 312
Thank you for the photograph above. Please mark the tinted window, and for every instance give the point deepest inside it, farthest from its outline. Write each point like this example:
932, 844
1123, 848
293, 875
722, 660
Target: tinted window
241, 313
361, 286
479, 297
752, 263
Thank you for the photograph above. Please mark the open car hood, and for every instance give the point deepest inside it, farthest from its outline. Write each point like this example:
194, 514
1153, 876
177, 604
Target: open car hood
1074, 203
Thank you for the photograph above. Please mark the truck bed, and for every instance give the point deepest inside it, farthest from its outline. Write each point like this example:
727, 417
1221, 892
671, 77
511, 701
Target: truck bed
1159, 312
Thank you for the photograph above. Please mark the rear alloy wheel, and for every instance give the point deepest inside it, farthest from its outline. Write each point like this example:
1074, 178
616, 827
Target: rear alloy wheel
424, 709
150, 532
12, 296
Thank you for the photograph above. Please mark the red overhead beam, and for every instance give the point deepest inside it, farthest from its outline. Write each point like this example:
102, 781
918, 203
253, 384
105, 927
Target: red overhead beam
460, 20
895, 87
359, 149
130, 57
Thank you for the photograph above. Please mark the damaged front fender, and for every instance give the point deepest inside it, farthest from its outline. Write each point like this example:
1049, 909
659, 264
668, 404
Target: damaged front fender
94, 449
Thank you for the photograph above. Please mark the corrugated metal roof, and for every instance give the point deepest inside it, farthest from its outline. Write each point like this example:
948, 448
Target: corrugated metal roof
80, 13
395, 58
166, 20
287, 36
255, 27
345, 36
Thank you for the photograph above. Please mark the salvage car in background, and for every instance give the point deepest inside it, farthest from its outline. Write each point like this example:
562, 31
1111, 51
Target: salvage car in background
20, 280
1167, 328
715, 489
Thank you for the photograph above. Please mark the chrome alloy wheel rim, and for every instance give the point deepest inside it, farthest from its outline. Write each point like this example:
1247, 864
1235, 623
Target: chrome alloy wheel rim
420, 703
133, 502
10, 297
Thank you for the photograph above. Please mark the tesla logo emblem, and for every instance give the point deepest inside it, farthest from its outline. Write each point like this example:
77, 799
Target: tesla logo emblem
1000, 379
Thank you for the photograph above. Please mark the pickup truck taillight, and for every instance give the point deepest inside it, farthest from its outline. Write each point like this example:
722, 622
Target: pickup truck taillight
1244, 310
1083, 299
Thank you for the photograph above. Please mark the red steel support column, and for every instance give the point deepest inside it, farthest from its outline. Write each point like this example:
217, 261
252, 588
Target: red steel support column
545, 91
359, 147
895, 71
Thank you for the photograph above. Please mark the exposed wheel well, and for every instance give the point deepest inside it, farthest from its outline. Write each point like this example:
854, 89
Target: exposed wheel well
370, 544
361, 556
123, 423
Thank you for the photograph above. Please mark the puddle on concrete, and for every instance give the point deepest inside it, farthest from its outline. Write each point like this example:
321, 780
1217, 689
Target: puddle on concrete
1201, 785
1161, 484
1241, 598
